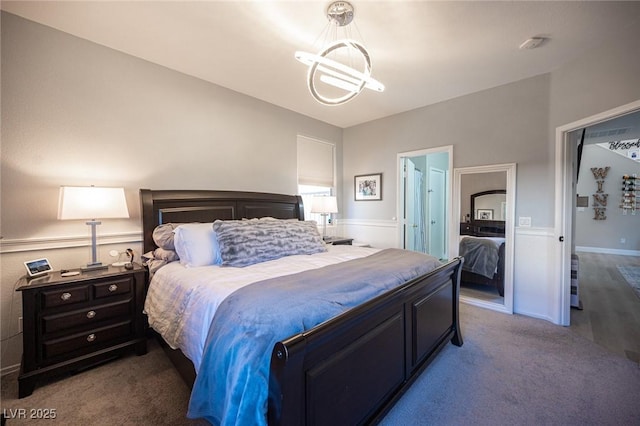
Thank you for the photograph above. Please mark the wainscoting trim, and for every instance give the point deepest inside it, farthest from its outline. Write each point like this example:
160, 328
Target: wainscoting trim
605, 250
9, 369
364, 222
539, 232
535, 287
50, 243
376, 233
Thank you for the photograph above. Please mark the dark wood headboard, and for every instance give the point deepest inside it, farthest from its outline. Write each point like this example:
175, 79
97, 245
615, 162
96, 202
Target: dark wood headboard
184, 206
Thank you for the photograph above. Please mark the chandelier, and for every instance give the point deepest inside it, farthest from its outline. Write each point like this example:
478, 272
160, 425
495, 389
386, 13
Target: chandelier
342, 69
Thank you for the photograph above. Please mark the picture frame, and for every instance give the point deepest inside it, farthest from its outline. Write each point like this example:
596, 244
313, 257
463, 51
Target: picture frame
368, 187
484, 214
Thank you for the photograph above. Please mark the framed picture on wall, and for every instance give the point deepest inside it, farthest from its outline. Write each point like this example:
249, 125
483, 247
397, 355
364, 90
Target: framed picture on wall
368, 187
484, 214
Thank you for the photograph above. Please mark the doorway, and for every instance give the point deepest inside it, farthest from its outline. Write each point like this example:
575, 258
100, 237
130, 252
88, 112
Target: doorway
565, 200
469, 184
424, 200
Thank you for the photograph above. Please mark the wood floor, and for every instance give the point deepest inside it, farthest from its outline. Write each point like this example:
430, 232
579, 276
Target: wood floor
611, 310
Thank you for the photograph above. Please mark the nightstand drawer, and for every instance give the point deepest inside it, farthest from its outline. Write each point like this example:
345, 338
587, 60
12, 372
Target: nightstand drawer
111, 288
88, 340
85, 317
52, 299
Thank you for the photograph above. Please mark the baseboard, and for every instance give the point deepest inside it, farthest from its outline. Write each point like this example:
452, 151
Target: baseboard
605, 250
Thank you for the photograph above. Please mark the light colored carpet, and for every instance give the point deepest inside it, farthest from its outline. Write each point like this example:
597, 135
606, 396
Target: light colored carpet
132, 390
517, 370
511, 370
631, 275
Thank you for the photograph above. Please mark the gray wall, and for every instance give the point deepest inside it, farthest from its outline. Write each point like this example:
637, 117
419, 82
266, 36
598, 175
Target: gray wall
77, 113
507, 124
606, 234
511, 123
74, 112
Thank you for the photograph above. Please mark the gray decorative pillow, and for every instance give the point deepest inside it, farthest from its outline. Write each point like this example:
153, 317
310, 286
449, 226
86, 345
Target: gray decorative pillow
163, 236
246, 242
163, 254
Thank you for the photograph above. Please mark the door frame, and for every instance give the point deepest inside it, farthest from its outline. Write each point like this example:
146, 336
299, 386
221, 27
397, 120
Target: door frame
400, 188
509, 230
565, 204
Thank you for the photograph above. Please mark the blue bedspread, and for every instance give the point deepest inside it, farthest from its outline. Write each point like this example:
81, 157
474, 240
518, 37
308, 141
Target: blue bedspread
232, 385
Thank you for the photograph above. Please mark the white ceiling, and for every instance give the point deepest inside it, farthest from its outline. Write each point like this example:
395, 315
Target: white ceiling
423, 51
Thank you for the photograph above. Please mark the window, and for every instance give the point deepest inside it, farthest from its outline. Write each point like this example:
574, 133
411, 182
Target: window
316, 175
307, 192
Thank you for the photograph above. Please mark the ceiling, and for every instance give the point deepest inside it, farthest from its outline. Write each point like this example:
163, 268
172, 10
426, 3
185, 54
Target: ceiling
424, 52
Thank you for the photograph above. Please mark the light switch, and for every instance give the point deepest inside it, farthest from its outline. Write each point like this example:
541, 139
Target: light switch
524, 221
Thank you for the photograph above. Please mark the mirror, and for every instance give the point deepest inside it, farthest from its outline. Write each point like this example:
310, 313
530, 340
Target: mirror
489, 205
484, 204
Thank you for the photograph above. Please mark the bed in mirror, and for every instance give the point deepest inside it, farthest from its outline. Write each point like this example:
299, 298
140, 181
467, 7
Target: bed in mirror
482, 241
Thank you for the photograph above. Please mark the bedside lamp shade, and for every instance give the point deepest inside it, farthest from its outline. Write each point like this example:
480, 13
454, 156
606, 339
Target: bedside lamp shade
324, 205
91, 202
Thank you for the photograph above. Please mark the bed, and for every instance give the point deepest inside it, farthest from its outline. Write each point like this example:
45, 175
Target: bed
482, 241
349, 368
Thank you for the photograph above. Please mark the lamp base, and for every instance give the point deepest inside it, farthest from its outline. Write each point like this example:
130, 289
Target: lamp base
93, 267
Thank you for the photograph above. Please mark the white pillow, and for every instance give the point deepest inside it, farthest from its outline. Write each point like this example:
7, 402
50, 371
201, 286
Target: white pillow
197, 245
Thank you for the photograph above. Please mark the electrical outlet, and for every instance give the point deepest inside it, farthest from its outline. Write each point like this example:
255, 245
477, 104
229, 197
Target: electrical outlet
19, 324
623, 240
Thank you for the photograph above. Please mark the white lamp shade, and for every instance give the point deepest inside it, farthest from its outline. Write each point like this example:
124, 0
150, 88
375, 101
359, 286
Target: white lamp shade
324, 205
90, 202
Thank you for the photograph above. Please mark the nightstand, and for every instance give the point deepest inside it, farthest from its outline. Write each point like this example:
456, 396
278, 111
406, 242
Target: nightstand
74, 322
339, 241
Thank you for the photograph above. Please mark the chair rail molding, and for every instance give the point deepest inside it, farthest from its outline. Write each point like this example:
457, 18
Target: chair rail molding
48, 243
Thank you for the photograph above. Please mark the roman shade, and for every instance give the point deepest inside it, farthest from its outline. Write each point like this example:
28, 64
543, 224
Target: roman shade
315, 162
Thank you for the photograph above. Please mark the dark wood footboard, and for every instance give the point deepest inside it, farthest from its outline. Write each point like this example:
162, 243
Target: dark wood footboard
351, 369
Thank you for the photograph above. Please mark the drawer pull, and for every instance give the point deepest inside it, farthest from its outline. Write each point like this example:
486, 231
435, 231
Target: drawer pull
65, 296
113, 287
91, 314
91, 337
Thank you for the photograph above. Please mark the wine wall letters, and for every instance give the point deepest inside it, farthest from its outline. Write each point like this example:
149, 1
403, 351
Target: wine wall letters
600, 198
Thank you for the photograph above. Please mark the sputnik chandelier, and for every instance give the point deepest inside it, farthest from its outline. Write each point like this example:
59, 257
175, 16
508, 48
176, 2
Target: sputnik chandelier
333, 77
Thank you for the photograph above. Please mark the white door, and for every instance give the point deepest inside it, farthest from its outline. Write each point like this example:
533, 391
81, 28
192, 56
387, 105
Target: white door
437, 213
409, 205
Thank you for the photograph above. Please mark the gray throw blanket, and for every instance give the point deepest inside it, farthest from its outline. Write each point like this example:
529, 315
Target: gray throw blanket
480, 256
233, 382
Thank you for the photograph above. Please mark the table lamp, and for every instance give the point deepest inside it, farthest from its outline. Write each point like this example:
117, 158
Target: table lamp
91, 202
325, 205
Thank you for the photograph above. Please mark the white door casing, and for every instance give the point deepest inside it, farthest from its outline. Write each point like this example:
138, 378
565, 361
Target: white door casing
510, 170
564, 205
400, 208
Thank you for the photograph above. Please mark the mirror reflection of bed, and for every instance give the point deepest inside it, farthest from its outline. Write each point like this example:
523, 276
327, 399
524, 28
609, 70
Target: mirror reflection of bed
482, 244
